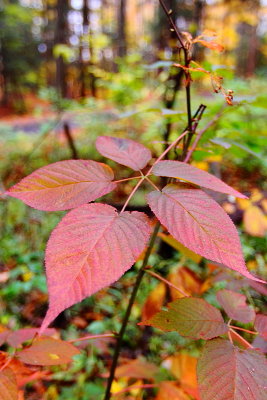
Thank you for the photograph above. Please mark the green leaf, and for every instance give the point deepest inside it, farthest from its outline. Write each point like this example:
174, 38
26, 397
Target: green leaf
190, 317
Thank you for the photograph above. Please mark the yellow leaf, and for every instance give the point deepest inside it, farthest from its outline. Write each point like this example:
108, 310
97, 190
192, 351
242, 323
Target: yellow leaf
53, 356
243, 204
256, 196
179, 247
255, 222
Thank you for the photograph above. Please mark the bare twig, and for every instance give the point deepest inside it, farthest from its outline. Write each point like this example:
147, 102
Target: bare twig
91, 337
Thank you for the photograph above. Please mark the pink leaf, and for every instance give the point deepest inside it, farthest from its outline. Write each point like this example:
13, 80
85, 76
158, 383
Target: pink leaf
8, 385
199, 223
186, 172
261, 325
124, 151
235, 306
91, 248
48, 351
20, 336
64, 185
190, 317
227, 373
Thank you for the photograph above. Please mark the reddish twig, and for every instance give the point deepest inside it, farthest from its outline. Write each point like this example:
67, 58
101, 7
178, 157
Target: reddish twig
167, 282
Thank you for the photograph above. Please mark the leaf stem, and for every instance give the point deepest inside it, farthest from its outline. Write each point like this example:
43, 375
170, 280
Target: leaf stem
167, 282
128, 179
139, 278
150, 170
244, 330
244, 341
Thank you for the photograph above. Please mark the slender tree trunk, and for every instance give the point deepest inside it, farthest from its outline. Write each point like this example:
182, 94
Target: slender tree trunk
121, 37
61, 35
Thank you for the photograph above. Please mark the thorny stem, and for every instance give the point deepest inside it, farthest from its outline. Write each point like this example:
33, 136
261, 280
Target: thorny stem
140, 275
167, 282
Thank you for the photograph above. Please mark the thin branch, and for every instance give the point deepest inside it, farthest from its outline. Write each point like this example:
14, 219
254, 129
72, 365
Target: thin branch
167, 282
173, 25
139, 278
91, 337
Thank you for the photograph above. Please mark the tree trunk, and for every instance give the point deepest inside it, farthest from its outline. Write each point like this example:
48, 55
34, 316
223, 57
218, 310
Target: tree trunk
61, 35
121, 36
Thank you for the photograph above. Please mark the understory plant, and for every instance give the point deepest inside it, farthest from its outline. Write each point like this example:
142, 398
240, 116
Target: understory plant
95, 244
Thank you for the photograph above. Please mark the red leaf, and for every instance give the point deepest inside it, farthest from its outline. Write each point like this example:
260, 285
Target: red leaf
137, 369
16, 338
124, 151
64, 185
48, 351
261, 325
8, 385
227, 373
186, 172
91, 248
190, 317
235, 306
199, 223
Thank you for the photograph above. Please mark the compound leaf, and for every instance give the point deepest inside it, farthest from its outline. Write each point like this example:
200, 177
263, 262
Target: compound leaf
199, 223
234, 304
190, 317
48, 351
8, 385
89, 249
226, 372
186, 172
64, 185
124, 151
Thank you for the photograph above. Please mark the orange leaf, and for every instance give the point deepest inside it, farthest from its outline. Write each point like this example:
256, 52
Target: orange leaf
138, 369
48, 351
154, 302
168, 390
186, 280
8, 385
211, 45
183, 366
